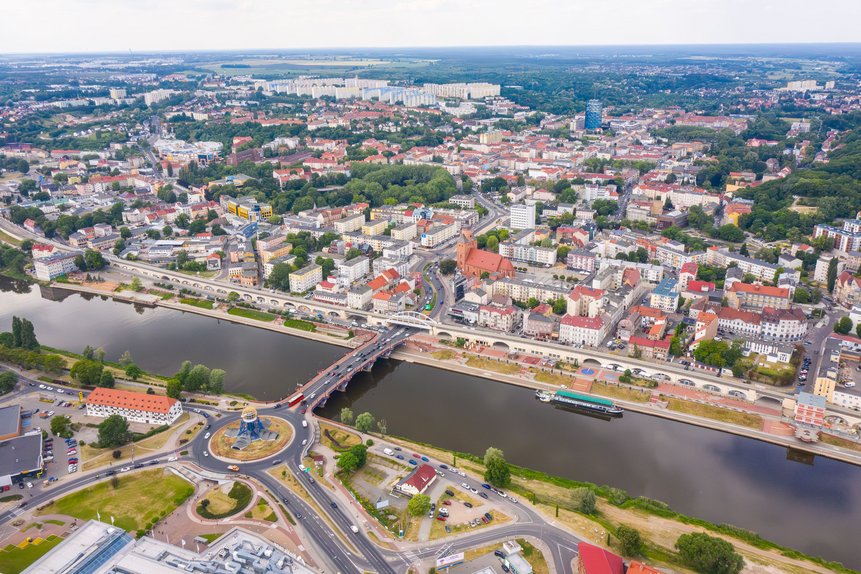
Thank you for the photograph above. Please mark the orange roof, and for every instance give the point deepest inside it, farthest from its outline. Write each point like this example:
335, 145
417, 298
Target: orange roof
640, 568
781, 292
130, 400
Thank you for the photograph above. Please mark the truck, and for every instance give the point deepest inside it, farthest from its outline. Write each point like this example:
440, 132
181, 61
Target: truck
295, 399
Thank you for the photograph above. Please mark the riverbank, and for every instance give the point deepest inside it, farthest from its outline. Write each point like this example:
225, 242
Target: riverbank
418, 357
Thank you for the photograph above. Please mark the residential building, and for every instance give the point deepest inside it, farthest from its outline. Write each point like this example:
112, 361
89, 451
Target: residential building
405, 232
246, 208
134, 407
53, 266
464, 201
648, 348
581, 330
594, 560
761, 270
498, 318
845, 239
352, 270
847, 289
305, 279
529, 253
594, 114
388, 303
350, 224
538, 326
419, 481
755, 297
437, 235
581, 260
522, 216
665, 296
810, 409
359, 297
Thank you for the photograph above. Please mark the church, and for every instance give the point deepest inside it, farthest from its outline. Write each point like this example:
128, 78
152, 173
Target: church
473, 262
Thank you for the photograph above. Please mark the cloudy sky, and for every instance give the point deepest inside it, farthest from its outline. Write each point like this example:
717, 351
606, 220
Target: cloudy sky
122, 25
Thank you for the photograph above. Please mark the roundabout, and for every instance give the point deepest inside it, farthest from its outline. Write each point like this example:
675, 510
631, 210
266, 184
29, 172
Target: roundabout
251, 438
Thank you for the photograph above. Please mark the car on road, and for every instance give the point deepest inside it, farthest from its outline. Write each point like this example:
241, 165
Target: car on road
207, 435
468, 504
276, 461
172, 459
483, 495
333, 505
474, 491
449, 492
444, 466
447, 502
414, 455
485, 486
412, 462
205, 453
233, 467
125, 469
399, 457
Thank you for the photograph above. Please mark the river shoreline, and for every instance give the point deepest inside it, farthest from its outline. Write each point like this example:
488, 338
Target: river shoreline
412, 357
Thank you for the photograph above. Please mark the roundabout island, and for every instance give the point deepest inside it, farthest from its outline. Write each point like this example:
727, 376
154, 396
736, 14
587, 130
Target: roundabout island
251, 438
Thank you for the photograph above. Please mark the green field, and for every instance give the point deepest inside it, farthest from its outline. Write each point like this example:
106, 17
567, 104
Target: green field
251, 314
299, 324
14, 559
202, 303
136, 503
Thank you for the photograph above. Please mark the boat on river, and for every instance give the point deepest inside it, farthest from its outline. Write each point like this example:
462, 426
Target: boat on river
579, 402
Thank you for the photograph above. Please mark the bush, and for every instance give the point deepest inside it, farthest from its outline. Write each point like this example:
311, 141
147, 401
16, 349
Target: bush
630, 541
709, 554
117, 454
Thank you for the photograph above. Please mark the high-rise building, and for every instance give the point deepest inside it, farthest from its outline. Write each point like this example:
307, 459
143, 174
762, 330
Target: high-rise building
522, 216
594, 113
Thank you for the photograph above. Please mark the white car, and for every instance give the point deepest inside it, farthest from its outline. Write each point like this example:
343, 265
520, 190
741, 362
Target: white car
125, 469
207, 435
41, 386
60, 391
49, 388
172, 459
465, 485
205, 453
29, 485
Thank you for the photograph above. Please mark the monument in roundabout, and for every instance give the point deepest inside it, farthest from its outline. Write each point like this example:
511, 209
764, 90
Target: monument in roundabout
251, 428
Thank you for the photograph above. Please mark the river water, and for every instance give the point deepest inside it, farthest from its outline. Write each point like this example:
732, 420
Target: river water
716, 476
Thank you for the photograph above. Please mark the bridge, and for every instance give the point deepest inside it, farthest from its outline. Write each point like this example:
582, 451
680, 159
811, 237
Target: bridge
413, 319
338, 375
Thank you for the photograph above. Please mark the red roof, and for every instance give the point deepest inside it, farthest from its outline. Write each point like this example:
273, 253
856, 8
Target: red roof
130, 400
649, 343
599, 561
739, 287
700, 286
584, 322
690, 267
421, 478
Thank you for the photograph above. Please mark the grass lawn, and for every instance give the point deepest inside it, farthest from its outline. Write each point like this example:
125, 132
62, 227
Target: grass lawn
534, 557
715, 413
6, 238
211, 537
344, 439
222, 505
838, 441
221, 445
15, 559
299, 324
490, 365
138, 501
251, 314
623, 393
96, 457
444, 355
261, 511
202, 303
552, 378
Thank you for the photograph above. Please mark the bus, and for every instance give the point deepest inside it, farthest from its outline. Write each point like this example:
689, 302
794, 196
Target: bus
295, 399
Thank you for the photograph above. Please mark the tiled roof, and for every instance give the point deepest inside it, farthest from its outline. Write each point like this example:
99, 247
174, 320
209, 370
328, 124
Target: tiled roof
130, 400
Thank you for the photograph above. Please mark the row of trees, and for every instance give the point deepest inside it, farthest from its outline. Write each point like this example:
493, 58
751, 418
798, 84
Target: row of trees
90, 369
194, 379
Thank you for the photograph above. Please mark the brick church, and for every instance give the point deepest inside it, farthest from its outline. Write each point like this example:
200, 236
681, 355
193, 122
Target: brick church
472, 261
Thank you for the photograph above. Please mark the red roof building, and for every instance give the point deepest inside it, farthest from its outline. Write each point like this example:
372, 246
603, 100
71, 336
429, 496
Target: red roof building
594, 560
137, 407
419, 481
473, 262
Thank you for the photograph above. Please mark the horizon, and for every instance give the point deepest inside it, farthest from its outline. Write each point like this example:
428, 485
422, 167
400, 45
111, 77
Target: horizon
102, 26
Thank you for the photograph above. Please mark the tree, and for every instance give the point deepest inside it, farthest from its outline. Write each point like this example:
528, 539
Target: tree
8, 380
743, 250
183, 372
173, 389
492, 243
346, 415
136, 285
347, 462
93, 260
382, 426
843, 326
447, 266
106, 379
87, 372
133, 371
113, 432
24, 334
197, 379
360, 451
61, 426
232, 297
709, 554
832, 274
419, 505
858, 329
216, 381
126, 358
559, 306
584, 500
496, 470
630, 541
365, 422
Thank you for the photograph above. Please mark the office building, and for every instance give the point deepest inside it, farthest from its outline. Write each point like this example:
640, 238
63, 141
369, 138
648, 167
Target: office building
594, 114
522, 216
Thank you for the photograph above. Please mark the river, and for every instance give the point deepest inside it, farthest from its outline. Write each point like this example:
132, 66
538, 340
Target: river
703, 473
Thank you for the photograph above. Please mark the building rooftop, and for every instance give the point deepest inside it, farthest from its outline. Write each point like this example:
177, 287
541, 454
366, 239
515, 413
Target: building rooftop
10, 419
20, 454
130, 400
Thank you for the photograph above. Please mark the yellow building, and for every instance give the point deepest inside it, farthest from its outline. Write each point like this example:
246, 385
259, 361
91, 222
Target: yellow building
247, 208
824, 387
266, 255
375, 227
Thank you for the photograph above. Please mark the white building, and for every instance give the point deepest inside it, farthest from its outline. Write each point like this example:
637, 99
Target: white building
135, 407
522, 216
53, 266
584, 331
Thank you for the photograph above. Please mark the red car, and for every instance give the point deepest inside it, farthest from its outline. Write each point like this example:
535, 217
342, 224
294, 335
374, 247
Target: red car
416, 455
441, 518
447, 502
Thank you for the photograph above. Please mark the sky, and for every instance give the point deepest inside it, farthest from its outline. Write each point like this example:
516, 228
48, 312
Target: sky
167, 25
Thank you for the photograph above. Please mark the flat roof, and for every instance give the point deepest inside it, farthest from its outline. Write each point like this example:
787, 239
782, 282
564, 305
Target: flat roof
10, 418
21, 454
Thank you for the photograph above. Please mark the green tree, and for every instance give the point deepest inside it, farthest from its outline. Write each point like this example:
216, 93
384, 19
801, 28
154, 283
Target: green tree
492, 243
709, 554
347, 462
559, 306
496, 470
183, 372
365, 422
216, 381
832, 274
843, 326
197, 379
126, 358
133, 371
114, 432
858, 329
630, 541
447, 266
94, 260
136, 285
360, 451
87, 372
232, 297
419, 505
106, 379
173, 388
584, 500
346, 415
8, 380
61, 426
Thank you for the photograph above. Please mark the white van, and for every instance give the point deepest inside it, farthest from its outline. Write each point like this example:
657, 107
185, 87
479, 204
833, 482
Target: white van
388, 451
